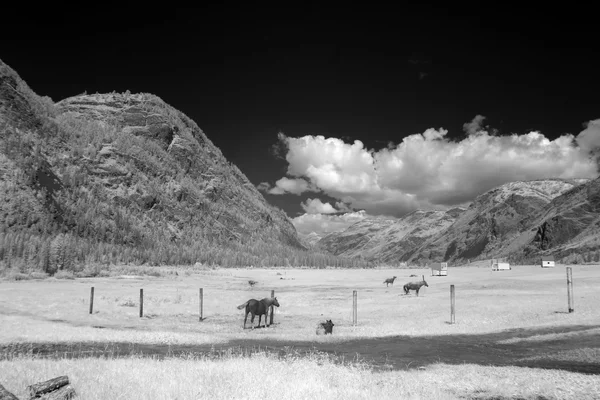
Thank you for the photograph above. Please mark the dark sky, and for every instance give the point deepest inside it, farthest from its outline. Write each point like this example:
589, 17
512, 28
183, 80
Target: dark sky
370, 73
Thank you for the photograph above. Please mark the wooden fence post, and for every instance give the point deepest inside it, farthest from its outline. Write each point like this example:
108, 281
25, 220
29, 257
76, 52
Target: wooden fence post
452, 306
201, 294
354, 308
570, 288
92, 300
272, 309
141, 303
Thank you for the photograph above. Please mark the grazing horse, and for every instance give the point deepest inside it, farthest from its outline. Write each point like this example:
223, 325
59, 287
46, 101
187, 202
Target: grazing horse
258, 307
325, 328
414, 286
389, 280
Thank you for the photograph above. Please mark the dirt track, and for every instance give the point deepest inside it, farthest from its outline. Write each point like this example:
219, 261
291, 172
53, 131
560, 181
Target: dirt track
398, 352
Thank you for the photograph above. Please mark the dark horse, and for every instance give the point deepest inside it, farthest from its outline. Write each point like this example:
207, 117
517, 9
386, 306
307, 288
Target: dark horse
389, 280
414, 286
258, 307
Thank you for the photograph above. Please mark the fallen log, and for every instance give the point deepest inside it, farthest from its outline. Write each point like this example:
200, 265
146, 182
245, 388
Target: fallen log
64, 393
6, 395
38, 389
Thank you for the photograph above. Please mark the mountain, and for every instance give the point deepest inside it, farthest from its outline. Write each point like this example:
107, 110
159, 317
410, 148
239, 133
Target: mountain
309, 240
491, 221
518, 220
568, 228
126, 178
388, 240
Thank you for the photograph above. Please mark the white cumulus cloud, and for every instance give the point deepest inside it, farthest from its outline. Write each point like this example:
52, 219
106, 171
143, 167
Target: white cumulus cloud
316, 206
430, 171
324, 224
589, 138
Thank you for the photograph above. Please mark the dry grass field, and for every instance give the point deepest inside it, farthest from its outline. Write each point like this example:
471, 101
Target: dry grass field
513, 336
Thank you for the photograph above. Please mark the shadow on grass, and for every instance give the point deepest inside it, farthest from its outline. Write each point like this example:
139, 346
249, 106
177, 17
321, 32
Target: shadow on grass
393, 352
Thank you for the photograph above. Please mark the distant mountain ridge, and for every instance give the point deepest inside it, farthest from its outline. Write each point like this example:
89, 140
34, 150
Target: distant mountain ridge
518, 220
387, 240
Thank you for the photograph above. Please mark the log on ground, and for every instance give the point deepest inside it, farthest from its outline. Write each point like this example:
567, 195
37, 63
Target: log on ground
51, 385
64, 393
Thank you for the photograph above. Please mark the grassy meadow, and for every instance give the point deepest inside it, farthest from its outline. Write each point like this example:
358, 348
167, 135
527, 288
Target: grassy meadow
524, 299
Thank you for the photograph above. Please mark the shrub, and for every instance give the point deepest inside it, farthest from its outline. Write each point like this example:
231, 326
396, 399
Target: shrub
64, 275
38, 275
17, 276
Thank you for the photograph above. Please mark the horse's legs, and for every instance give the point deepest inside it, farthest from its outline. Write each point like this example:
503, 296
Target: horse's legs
418, 292
245, 319
266, 315
259, 318
252, 320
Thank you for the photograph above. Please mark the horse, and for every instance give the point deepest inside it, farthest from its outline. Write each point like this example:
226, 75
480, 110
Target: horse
325, 328
414, 286
258, 307
389, 280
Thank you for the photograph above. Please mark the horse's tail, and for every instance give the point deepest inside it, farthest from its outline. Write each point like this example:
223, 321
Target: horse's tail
243, 305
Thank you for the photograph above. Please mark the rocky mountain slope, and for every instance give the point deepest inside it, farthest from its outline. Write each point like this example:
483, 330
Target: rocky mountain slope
518, 220
568, 228
388, 240
126, 178
492, 220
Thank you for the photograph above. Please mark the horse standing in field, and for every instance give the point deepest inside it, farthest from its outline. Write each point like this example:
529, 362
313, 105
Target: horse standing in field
414, 286
389, 280
258, 307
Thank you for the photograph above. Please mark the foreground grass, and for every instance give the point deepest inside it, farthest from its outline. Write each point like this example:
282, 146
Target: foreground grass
263, 376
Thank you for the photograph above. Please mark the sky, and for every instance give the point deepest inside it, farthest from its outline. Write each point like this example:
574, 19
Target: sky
338, 113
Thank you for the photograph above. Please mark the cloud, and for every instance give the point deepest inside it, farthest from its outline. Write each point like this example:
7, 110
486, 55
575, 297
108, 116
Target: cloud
589, 139
294, 186
324, 224
316, 206
476, 125
263, 186
428, 171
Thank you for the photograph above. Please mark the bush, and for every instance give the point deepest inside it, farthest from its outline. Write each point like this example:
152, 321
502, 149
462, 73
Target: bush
90, 271
64, 275
17, 276
38, 275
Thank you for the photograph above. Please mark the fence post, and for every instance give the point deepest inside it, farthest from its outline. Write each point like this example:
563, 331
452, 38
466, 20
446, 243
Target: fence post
354, 308
201, 304
452, 306
272, 309
92, 300
570, 288
141, 303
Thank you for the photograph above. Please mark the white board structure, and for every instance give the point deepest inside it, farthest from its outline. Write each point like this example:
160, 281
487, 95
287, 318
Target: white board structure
548, 262
499, 266
439, 269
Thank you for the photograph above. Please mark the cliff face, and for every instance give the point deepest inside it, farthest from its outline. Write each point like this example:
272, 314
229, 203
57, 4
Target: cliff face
127, 170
